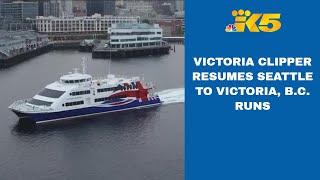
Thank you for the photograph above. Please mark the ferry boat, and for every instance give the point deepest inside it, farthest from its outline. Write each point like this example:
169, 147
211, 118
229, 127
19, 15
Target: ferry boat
77, 94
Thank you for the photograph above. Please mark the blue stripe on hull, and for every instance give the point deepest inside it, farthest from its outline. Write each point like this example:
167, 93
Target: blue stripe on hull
43, 117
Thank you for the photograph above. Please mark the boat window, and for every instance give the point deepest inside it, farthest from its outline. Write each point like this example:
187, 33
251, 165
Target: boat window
79, 93
76, 81
51, 93
106, 89
74, 103
100, 99
39, 102
110, 98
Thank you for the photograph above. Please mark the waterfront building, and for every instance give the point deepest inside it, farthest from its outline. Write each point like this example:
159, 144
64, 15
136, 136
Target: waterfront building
134, 35
132, 40
171, 26
14, 42
19, 11
79, 28
95, 23
18, 46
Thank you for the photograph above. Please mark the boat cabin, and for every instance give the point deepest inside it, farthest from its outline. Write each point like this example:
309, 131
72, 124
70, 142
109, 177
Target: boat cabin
75, 78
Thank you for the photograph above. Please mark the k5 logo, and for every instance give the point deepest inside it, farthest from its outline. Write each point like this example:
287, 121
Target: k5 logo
268, 22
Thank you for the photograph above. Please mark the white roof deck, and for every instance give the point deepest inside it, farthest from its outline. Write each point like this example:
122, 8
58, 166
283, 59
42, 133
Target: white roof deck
75, 76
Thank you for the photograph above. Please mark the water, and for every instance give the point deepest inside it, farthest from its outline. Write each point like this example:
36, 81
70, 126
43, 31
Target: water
133, 145
171, 96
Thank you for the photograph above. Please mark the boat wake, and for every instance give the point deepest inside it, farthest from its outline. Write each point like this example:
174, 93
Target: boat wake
171, 96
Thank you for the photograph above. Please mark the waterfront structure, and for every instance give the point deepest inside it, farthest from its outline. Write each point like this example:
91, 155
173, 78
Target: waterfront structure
104, 7
95, 23
171, 26
78, 94
134, 35
87, 45
79, 28
131, 40
17, 46
19, 11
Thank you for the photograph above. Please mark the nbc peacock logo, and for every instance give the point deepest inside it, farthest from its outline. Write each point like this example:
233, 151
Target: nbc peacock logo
231, 28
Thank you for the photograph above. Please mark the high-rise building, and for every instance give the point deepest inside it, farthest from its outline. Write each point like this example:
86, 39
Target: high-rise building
57, 8
164, 7
40, 8
66, 8
110, 7
94, 7
1, 1
79, 8
119, 3
141, 8
179, 5
19, 11
104, 7
50, 8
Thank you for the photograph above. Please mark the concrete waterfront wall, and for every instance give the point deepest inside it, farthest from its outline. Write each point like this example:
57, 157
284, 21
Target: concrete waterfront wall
5, 63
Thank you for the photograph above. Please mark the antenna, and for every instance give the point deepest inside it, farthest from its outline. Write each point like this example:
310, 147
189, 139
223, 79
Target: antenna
109, 66
84, 65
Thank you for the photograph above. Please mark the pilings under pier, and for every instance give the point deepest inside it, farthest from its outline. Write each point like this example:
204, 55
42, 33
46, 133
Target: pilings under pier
130, 52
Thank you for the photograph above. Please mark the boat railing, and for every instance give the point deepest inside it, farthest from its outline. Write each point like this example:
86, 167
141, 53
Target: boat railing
104, 79
21, 105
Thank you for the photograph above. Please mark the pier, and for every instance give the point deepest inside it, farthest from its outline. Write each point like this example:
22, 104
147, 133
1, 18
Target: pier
18, 46
66, 44
130, 52
8, 62
177, 39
